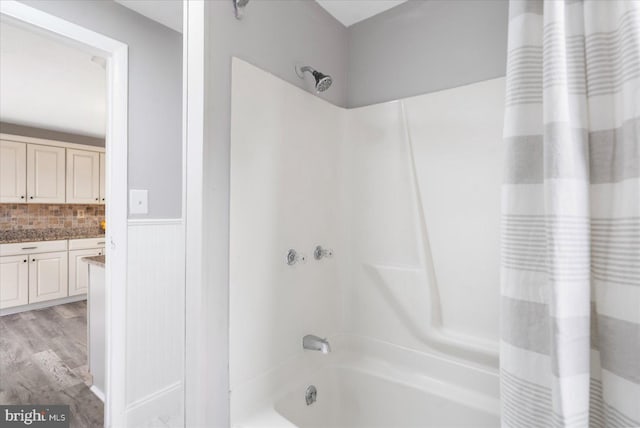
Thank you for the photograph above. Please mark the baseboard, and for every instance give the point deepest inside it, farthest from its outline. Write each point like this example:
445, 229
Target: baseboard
166, 404
96, 391
41, 305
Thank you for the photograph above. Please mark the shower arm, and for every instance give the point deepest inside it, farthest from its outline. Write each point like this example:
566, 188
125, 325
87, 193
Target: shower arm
301, 70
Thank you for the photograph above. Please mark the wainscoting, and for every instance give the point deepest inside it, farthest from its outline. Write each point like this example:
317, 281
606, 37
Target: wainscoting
155, 323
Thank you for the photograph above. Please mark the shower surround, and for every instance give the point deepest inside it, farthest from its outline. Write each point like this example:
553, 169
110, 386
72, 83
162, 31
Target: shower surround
409, 299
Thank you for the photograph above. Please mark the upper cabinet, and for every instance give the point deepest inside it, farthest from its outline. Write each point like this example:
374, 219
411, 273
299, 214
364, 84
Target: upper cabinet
13, 172
51, 172
83, 177
45, 174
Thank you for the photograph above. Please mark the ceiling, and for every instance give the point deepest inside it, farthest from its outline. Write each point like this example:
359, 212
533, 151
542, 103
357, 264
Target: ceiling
46, 83
351, 11
166, 12
348, 12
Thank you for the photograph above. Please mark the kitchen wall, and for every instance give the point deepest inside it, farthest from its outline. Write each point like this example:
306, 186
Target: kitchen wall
273, 35
29, 131
49, 216
155, 95
425, 46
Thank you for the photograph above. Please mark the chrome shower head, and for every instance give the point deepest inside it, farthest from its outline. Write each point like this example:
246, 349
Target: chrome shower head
238, 6
323, 81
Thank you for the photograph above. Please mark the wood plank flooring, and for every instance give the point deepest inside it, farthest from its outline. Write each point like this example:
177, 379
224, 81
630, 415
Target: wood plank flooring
43, 360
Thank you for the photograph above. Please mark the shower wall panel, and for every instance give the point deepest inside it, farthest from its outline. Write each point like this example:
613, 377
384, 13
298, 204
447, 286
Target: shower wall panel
457, 139
406, 193
425, 177
284, 195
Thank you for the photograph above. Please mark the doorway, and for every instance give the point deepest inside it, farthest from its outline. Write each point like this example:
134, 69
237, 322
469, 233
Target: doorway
115, 62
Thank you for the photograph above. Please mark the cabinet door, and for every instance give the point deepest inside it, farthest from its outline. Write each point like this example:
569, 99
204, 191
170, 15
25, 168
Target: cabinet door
83, 177
103, 175
14, 281
13, 172
47, 276
45, 174
79, 270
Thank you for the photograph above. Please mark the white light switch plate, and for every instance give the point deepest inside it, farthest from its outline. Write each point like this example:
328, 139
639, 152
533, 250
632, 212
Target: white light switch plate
138, 203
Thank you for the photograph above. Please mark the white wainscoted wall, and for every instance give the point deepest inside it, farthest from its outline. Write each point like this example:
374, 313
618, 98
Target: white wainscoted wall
155, 323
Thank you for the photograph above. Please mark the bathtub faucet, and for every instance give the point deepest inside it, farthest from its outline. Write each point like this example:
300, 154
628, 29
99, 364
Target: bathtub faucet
315, 343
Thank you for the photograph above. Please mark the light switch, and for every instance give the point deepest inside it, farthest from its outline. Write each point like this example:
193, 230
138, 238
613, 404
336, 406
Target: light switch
138, 202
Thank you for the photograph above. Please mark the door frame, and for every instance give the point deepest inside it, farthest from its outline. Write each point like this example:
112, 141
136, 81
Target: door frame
198, 371
116, 145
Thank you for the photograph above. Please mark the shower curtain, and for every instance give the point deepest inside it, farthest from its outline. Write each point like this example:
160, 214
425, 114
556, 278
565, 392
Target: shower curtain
570, 274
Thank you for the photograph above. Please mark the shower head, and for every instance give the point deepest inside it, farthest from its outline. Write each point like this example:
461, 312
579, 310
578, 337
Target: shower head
238, 6
323, 81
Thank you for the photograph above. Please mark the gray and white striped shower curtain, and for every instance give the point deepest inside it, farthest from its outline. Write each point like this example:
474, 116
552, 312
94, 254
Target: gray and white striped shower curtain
570, 339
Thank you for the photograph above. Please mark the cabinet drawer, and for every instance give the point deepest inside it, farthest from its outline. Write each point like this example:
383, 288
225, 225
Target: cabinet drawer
20, 248
86, 243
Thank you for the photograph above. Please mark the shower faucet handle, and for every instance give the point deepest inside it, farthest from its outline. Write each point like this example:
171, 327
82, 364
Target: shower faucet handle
294, 257
320, 253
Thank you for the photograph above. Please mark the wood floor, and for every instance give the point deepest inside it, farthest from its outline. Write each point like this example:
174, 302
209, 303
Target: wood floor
43, 360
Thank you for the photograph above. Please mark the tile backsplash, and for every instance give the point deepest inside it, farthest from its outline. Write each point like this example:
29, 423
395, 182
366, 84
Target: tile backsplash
49, 216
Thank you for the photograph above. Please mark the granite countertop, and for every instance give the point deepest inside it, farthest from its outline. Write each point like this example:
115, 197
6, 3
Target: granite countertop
33, 235
95, 260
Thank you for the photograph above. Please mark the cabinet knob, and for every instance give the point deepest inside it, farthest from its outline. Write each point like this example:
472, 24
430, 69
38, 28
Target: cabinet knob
33, 260
103, 199
97, 199
22, 197
24, 261
30, 197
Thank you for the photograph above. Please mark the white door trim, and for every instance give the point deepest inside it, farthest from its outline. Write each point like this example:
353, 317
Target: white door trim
198, 371
116, 54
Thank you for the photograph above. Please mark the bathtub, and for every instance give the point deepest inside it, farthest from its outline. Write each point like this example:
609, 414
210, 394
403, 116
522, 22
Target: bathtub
348, 397
377, 385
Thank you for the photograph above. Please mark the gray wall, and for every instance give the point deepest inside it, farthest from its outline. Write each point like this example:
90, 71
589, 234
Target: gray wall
29, 131
273, 35
424, 46
155, 95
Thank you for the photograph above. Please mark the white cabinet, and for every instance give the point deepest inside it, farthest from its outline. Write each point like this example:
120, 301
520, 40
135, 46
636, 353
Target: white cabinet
13, 172
14, 281
83, 177
49, 172
79, 270
45, 174
47, 276
103, 175
33, 272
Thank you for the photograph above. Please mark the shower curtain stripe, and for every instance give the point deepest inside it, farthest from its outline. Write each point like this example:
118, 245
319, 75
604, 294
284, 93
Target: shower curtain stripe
570, 269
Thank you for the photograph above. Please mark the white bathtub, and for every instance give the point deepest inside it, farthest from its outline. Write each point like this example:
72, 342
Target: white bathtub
374, 385
350, 398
